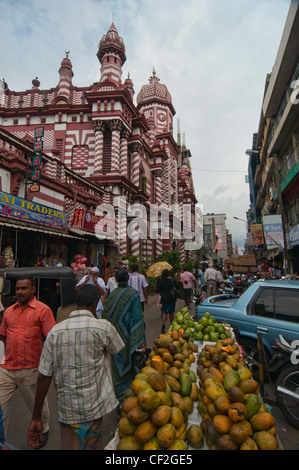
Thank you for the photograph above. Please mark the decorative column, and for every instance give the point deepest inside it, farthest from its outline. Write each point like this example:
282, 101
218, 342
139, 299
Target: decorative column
135, 247
182, 241
158, 186
158, 201
115, 126
124, 151
99, 127
135, 148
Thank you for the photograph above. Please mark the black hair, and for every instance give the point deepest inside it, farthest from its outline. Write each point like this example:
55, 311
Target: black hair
122, 276
165, 273
135, 267
29, 278
87, 295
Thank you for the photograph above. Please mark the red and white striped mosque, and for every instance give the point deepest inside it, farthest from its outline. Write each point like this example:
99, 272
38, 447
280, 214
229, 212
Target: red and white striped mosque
97, 145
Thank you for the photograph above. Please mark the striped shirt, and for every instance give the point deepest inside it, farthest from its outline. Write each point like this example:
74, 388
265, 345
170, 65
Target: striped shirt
77, 354
139, 282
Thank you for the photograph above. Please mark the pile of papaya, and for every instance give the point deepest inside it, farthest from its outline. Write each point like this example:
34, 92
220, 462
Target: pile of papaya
233, 416
157, 405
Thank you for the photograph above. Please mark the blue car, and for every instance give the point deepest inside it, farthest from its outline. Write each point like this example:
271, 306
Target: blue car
269, 307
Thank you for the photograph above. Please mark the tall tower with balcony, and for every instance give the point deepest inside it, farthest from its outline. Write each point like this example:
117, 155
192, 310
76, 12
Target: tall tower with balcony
112, 56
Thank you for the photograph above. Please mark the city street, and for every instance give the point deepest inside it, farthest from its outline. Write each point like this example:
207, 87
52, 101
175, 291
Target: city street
20, 415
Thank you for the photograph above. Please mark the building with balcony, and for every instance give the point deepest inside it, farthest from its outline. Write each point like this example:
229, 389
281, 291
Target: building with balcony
215, 236
274, 157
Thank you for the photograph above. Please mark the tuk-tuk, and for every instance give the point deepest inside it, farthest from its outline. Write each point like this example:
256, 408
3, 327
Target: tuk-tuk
56, 287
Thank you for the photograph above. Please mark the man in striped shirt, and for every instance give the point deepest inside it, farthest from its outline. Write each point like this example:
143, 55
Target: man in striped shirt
77, 354
138, 281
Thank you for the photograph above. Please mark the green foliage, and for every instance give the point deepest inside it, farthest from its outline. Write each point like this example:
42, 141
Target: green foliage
131, 258
188, 264
173, 258
143, 264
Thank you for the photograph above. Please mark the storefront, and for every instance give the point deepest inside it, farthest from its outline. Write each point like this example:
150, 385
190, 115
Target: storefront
33, 234
25, 245
99, 252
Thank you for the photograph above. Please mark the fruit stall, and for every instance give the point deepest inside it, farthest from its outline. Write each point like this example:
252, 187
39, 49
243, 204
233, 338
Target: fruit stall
195, 393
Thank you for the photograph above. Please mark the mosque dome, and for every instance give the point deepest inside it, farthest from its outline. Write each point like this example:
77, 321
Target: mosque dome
154, 91
66, 64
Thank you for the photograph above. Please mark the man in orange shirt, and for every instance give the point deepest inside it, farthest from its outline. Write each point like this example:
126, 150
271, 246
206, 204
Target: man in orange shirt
24, 327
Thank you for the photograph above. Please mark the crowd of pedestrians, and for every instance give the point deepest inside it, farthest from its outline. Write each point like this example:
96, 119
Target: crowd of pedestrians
89, 356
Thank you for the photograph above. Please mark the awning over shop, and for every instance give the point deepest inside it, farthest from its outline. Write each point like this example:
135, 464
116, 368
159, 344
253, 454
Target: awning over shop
39, 229
85, 233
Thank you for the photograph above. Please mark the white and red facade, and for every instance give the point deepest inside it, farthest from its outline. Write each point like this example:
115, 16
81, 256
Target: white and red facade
100, 135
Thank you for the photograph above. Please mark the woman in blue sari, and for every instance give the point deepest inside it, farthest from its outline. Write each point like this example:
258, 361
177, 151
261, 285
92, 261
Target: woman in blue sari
123, 309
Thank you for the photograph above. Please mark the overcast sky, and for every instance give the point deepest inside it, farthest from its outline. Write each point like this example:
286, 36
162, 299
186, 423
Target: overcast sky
213, 55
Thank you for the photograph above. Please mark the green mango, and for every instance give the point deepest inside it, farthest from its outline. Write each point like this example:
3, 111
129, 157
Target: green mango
214, 337
231, 379
179, 318
186, 384
198, 335
193, 376
253, 404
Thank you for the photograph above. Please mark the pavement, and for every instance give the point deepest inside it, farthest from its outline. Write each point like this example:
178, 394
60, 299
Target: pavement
20, 415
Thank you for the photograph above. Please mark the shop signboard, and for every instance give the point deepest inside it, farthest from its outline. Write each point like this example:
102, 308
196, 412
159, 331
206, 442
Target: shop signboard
273, 232
39, 132
17, 208
34, 188
36, 159
38, 146
90, 220
78, 218
219, 237
257, 234
293, 236
87, 220
35, 175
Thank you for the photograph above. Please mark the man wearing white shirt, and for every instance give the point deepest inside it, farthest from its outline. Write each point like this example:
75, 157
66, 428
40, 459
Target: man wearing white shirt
111, 285
93, 278
211, 280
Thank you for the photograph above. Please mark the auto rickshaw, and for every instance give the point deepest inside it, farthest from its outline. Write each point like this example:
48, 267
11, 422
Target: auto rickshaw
55, 286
